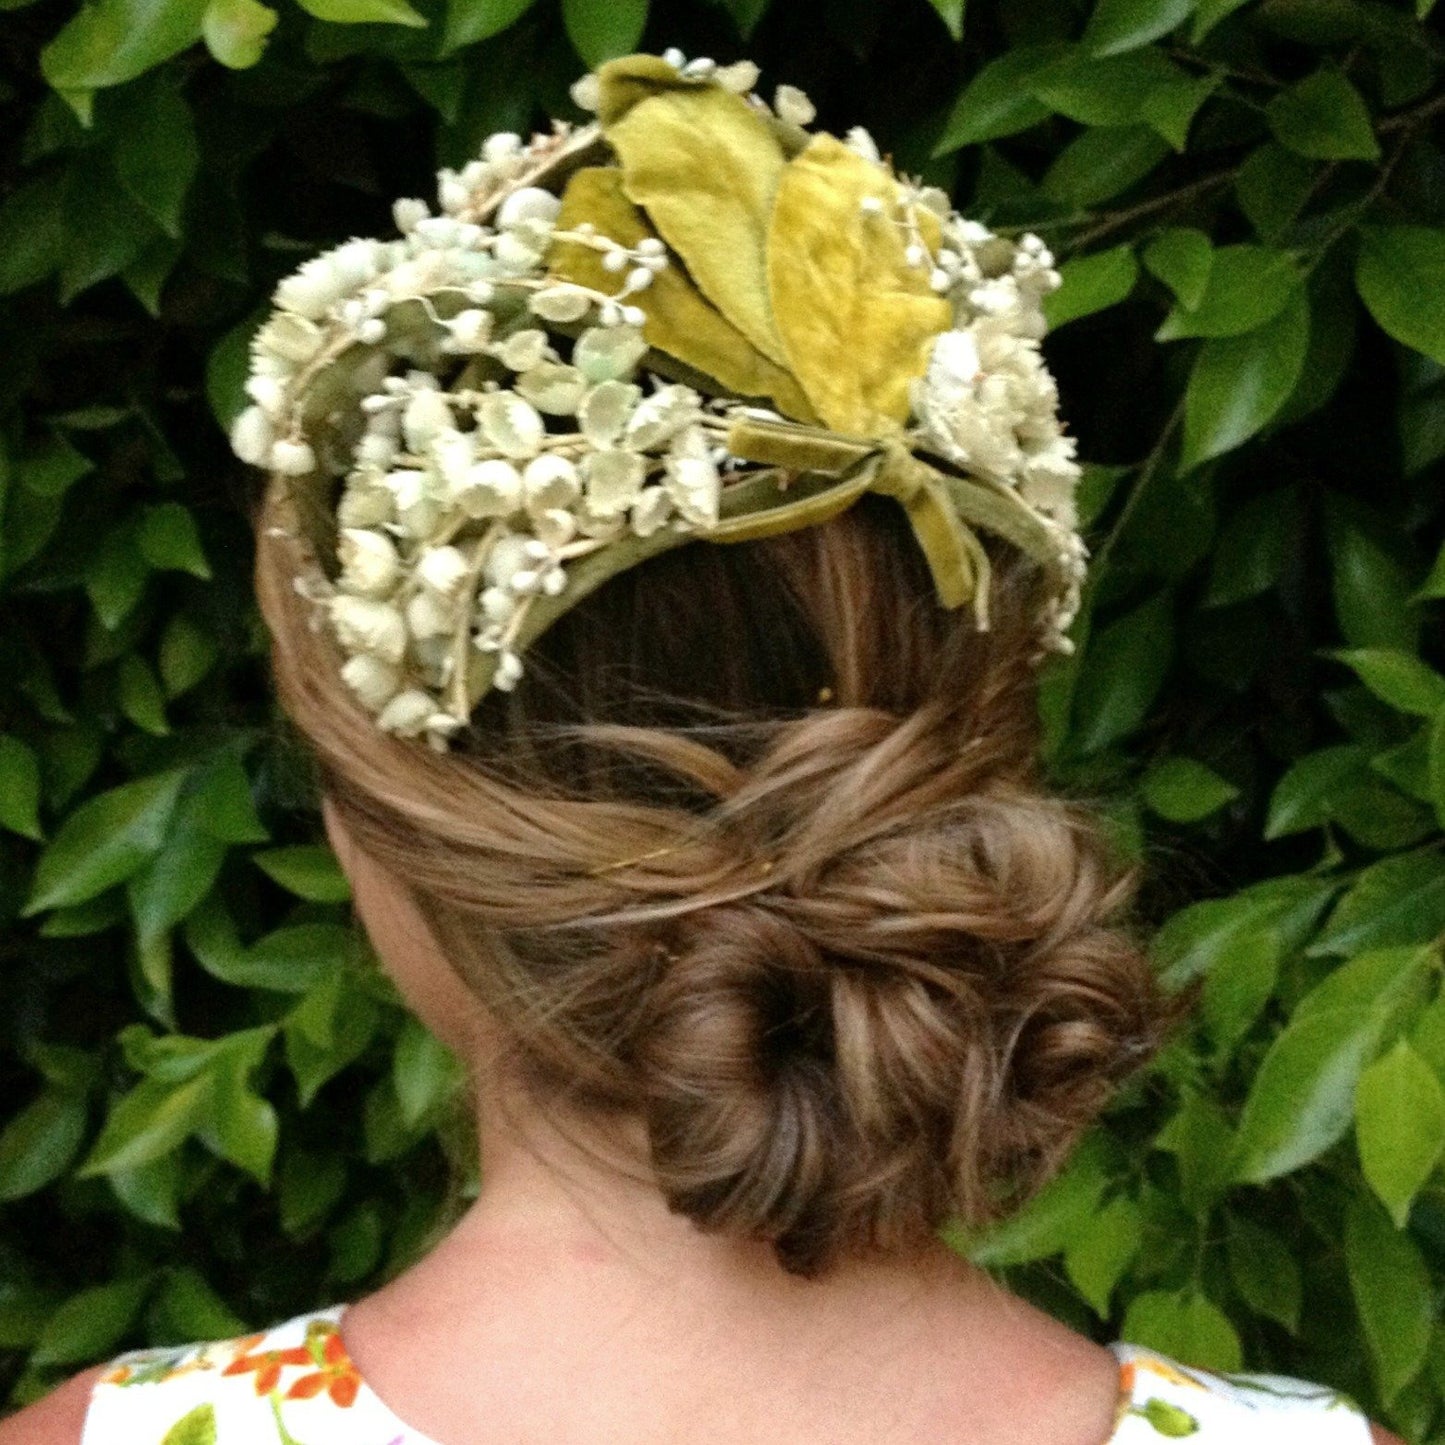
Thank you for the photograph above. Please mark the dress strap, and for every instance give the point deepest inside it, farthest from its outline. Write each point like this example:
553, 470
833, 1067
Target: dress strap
1161, 1399
292, 1384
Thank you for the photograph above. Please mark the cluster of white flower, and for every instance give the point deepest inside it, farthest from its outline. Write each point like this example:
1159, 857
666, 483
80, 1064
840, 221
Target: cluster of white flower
421, 377
462, 502
987, 401
449, 531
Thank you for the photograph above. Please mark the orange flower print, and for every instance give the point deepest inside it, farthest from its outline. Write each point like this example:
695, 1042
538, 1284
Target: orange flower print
1167, 1370
1127, 1375
267, 1365
336, 1374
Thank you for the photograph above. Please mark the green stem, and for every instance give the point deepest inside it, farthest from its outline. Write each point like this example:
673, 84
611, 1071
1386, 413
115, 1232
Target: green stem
283, 1434
1147, 472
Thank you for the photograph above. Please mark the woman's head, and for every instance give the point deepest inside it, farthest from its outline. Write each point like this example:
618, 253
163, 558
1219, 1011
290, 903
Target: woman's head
757, 852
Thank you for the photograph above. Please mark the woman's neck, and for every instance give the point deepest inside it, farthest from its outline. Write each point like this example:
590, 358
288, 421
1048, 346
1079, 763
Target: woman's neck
569, 1300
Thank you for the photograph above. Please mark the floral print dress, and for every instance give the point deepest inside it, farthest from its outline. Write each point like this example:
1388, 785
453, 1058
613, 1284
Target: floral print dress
294, 1384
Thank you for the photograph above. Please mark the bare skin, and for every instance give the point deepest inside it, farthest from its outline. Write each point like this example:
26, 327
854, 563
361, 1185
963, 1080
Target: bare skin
570, 1306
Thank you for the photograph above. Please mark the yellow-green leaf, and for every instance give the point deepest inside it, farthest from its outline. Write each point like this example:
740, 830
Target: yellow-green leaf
236, 31
363, 12
1392, 1290
197, 1427
1399, 1127
680, 321
856, 320
704, 166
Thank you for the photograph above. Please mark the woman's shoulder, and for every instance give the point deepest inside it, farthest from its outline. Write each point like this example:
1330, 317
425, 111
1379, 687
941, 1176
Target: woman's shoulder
214, 1392
1160, 1398
250, 1387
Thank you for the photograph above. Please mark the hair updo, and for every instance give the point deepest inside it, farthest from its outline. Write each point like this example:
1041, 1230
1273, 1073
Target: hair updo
758, 852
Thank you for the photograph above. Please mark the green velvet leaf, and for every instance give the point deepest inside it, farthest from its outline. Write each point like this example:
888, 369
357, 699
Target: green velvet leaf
680, 321
856, 321
704, 166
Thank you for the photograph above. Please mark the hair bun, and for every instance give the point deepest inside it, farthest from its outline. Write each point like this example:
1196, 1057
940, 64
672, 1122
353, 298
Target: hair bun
743, 1111
921, 1034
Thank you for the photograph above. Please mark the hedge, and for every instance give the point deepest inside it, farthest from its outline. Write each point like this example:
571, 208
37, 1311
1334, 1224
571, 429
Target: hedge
215, 1111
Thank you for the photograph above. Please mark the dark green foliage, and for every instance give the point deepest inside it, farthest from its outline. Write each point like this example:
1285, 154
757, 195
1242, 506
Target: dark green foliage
214, 1110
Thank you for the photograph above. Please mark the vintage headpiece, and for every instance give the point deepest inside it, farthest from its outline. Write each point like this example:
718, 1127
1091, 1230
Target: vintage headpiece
691, 319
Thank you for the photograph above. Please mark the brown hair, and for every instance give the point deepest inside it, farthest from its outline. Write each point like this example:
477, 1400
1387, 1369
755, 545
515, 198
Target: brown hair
758, 851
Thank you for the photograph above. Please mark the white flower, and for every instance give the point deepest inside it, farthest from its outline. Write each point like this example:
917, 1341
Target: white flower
502, 146
366, 502
289, 338
469, 330
860, 142
508, 673
562, 302
365, 625
373, 681
268, 392
614, 480
292, 458
370, 566
554, 527
550, 481
507, 558
553, 388
1050, 479
793, 107
497, 604
586, 93
415, 494
492, 488
955, 358
650, 511
609, 353
605, 410
453, 193
425, 417
408, 214
442, 570
659, 417
429, 616
522, 350
408, 713
515, 252
454, 453
740, 77
987, 402
253, 436
512, 425
355, 262
312, 290
695, 487
531, 203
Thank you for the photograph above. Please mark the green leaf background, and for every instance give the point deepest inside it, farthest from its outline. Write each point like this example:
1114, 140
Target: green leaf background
200, 1062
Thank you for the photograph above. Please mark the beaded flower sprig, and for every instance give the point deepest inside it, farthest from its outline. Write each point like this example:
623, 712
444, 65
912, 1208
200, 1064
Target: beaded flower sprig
691, 319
